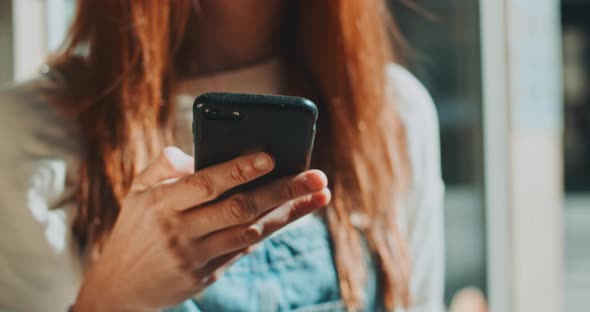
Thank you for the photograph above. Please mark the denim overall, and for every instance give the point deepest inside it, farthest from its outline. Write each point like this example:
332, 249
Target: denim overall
290, 271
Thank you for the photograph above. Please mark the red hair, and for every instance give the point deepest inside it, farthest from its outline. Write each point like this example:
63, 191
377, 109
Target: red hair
122, 95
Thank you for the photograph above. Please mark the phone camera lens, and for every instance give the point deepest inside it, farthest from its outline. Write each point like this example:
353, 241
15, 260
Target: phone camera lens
211, 113
215, 114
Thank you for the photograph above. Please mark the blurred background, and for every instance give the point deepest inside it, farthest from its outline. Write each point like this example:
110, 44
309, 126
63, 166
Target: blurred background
510, 80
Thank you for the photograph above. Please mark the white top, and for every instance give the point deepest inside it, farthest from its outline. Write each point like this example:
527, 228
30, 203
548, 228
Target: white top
39, 268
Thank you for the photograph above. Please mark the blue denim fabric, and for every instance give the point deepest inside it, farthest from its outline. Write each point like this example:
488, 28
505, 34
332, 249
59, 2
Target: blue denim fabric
290, 271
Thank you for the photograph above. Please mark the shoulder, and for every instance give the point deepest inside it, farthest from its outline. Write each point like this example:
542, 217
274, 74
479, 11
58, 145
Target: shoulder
38, 146
418, 114
26, 95
39, 142
410, 93
421, 218
29, 122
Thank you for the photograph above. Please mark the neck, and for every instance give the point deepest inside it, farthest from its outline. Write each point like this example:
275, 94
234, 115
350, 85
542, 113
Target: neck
232, 34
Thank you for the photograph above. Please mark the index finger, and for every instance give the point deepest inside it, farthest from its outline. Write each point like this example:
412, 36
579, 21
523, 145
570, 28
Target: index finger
207, 184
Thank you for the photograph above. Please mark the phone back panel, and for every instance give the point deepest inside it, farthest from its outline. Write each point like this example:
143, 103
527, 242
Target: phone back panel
228, 125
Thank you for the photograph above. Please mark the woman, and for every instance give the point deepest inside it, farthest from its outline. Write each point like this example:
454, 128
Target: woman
97, 215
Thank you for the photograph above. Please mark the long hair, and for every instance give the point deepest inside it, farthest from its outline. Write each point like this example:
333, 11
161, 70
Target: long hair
121, 93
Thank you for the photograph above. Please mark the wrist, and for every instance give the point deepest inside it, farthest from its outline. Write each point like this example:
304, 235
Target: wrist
91, 301
95, 296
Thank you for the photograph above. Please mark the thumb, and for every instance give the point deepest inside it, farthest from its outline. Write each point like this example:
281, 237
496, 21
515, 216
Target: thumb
170, 164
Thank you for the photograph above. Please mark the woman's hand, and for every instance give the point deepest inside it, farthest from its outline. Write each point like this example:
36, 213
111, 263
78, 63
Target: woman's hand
170, 242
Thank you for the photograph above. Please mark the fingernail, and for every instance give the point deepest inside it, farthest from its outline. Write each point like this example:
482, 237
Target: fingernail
253, 232
315, 183
262, 162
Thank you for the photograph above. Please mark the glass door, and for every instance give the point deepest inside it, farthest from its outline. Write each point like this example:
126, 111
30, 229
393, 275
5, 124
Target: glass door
576, 69
444, 53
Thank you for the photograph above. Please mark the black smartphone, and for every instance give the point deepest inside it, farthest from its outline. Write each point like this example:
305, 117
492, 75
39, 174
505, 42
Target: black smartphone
228, 125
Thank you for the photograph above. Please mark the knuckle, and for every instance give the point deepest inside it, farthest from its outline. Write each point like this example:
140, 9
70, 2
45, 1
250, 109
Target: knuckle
185, 256
150, 204
243, 238
166, 226
170, 236
199, 253
238, 172
182, 265
240, 208
204, 185
174, 242
180, 260
249, 236
171, 224
295, 210
155, 196
196, 279
288, 191
203, 279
